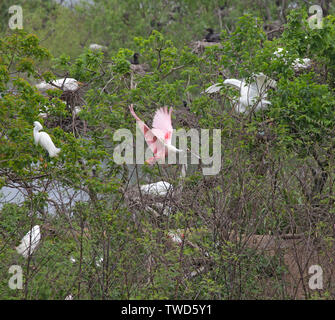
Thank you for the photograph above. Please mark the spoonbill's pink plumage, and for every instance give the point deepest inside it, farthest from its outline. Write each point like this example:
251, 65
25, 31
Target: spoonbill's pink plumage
159, 137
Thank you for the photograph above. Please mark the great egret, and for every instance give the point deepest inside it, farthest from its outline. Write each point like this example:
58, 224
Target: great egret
43, 115
29, 242
216, 87
76, 110
44, 140
66, 84
211, 36
95, 46
159, 138
160, 188
298, 64
250, 93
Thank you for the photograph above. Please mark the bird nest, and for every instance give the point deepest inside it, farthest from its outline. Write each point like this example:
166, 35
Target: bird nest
140, 68
72, 98
199, 47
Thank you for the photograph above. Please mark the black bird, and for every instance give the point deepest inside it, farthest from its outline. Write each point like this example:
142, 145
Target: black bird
211, 36
134, 59
136, 66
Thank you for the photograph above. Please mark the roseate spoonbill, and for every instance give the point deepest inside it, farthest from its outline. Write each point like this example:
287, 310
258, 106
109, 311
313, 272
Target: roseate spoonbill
159, 137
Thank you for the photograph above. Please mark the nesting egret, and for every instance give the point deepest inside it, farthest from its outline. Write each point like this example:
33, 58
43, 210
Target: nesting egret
298, 63
69, 297
211, 36
160, 188
67, 84
76, 110
252, 92
29, 242
99, 262
44, 140
95, 46
159, 138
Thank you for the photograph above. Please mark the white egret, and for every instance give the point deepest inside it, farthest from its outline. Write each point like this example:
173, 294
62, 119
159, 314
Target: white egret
252, 92
67, 84
160, 188
44, 140
95, 46
298, 64
29, 242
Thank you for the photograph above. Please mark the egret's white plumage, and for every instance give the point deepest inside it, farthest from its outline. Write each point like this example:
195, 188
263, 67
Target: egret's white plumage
95, 46
44, 140
67, 84
252, 92
29, 242
160, 188
298, 64
99, 262
214, 88
76, 110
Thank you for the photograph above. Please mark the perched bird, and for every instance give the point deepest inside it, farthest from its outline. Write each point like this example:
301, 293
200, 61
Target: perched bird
44, 115
29, 242
76, 110
214, 88
211, 36
95, 46
252, 93
135, 58
66, 84
298, 64
44, 140
160, 188
136, 66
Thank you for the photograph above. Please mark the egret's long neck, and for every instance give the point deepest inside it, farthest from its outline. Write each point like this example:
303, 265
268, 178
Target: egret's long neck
36, 134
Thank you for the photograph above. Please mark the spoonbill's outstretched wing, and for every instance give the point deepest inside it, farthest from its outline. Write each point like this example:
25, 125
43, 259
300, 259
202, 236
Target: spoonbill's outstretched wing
154, 138
162, 122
